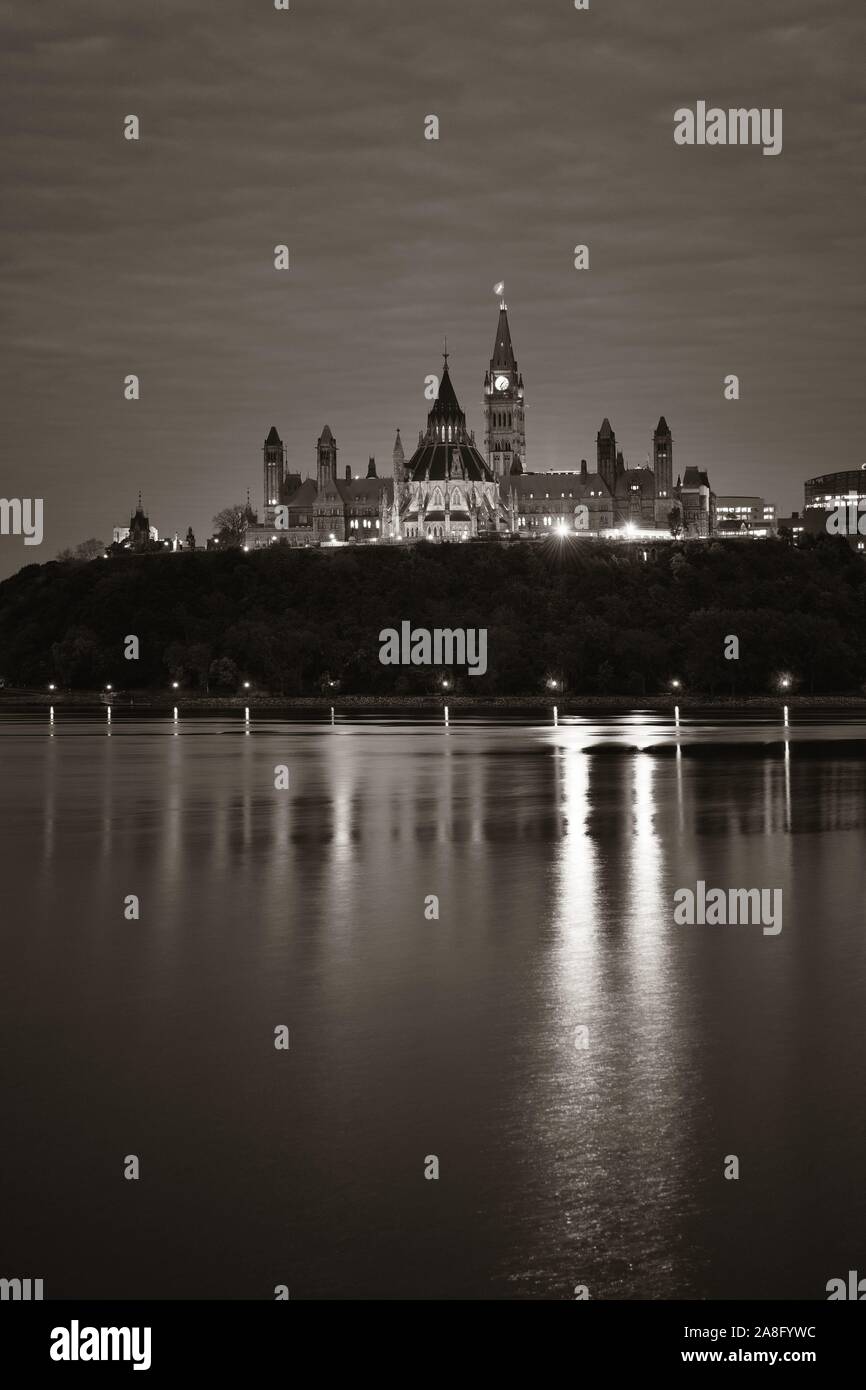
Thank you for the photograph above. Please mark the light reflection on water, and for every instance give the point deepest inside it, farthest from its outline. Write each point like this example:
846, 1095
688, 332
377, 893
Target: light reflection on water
555, 850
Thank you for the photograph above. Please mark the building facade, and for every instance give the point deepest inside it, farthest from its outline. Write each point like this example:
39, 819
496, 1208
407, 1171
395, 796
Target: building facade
320, 510
450, 490
745, 517
447, 491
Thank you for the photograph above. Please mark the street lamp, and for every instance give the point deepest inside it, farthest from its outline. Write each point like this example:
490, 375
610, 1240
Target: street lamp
675, 685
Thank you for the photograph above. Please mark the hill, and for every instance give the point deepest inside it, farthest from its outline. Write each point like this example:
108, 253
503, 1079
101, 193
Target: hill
597, 617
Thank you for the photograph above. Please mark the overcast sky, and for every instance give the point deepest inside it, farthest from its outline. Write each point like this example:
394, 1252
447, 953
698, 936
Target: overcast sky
307, 127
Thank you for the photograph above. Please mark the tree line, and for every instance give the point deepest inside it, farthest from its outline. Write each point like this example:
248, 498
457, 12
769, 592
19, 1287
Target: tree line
579, 615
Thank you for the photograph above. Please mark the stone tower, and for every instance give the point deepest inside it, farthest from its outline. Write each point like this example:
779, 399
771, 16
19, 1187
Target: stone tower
606, 445
326, 458
504, 408
663, 459
275, 468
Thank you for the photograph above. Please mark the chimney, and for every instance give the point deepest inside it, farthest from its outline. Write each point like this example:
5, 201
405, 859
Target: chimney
583, 470
348, 472
371, 468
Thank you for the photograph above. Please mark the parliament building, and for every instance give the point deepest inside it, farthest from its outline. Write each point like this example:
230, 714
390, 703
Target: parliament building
452, 490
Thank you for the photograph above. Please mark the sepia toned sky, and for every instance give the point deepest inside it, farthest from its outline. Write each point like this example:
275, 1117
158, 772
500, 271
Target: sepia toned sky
307, 127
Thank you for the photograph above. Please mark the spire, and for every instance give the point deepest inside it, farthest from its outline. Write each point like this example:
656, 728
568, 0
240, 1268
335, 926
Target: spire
662, 426
446, 422
503, 353
273, 437
447, 397
606, 431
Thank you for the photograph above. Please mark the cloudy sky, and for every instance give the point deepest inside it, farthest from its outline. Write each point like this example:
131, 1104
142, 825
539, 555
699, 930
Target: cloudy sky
307, 127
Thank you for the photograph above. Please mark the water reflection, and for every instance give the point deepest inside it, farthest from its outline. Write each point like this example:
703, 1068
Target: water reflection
554, 852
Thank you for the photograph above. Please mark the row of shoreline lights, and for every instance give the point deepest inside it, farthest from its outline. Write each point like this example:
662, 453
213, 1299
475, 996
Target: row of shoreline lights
175, 685
784, 684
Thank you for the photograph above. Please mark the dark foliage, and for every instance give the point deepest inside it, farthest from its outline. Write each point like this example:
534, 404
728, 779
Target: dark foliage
596, 617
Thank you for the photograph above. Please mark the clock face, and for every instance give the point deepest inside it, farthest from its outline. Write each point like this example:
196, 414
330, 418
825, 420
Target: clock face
501, 383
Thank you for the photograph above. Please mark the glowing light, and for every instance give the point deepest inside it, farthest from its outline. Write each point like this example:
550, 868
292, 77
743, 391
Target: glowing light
785, 682
108, 687
562, 529
52, 687
175, 685
675, 685
246, 685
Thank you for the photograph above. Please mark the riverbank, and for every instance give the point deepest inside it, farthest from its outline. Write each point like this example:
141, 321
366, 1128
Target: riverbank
158, 701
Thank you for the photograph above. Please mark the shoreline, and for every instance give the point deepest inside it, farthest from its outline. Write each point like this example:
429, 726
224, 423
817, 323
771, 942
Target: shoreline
565, 704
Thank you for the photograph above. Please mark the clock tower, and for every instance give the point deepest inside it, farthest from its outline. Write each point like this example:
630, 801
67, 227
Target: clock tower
504, 422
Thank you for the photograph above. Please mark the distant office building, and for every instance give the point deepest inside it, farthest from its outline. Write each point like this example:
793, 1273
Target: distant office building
745, 517
835, 504
793, 523
834, 490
